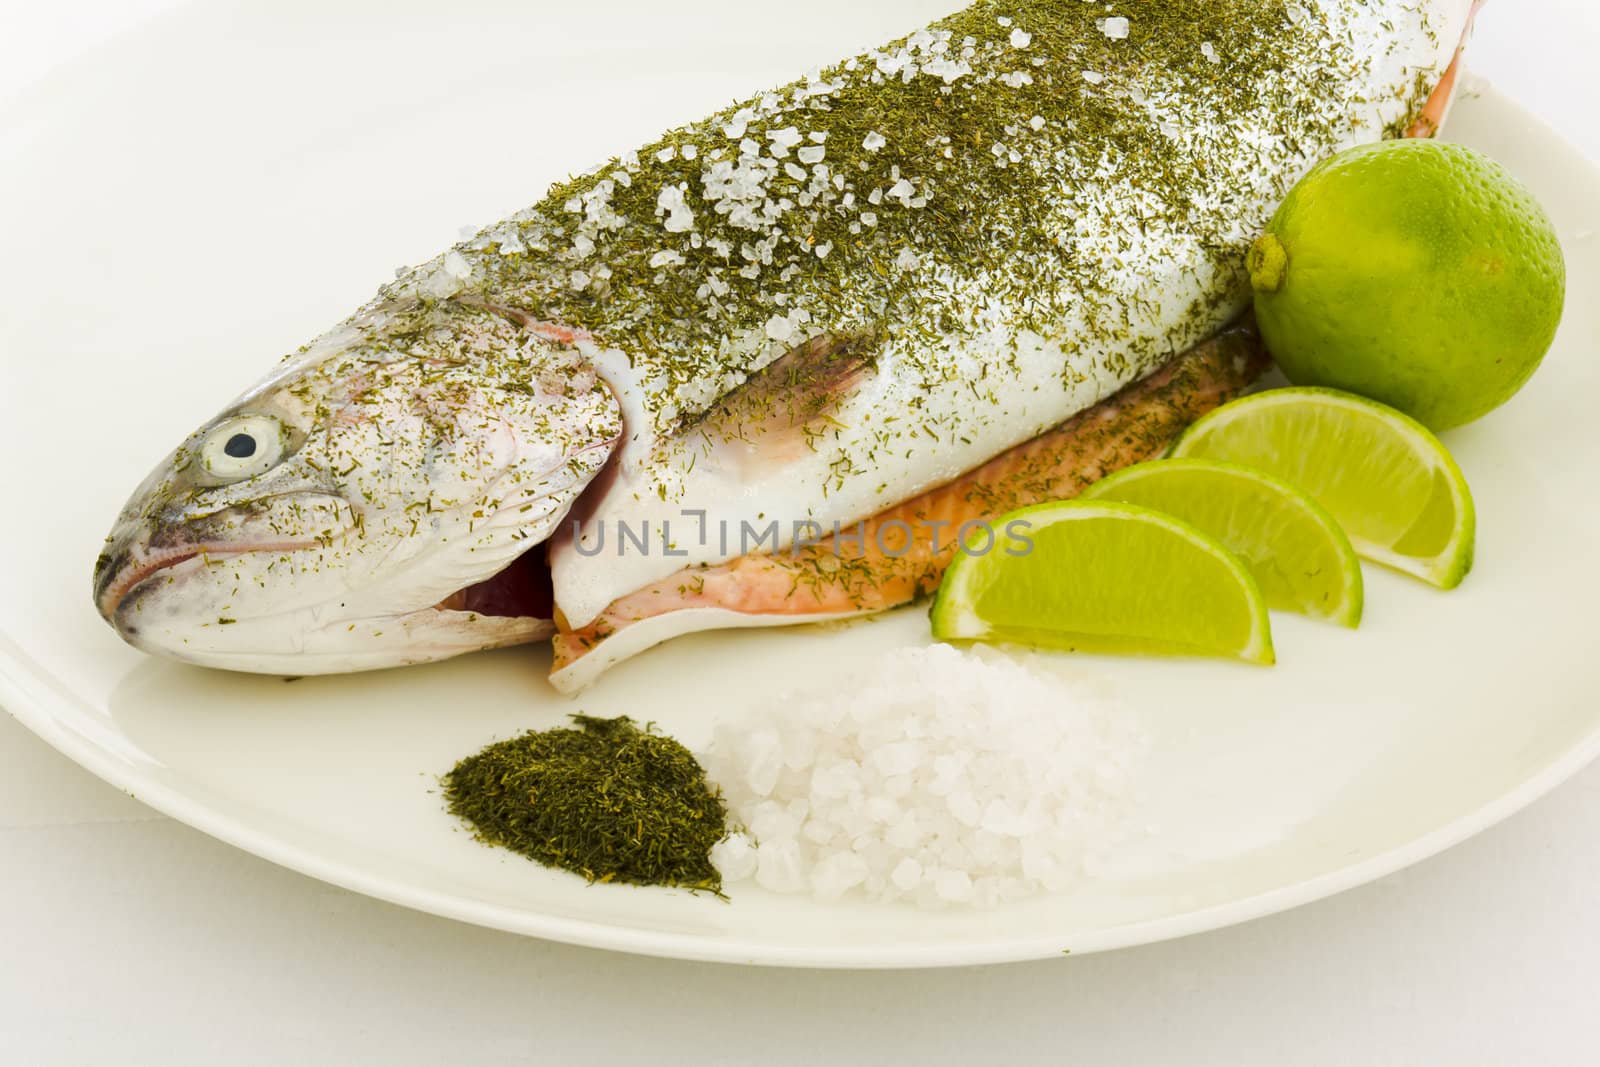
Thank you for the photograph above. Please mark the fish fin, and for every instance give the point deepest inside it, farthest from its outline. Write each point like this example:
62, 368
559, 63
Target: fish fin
781, 408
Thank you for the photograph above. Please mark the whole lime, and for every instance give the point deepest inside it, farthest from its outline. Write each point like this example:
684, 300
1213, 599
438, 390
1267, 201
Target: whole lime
1418, 273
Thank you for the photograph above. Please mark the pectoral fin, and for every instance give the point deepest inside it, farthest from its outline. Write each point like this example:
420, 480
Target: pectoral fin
778, 414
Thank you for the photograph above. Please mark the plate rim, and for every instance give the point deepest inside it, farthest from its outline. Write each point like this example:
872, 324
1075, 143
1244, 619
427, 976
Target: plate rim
43, 703
28, 692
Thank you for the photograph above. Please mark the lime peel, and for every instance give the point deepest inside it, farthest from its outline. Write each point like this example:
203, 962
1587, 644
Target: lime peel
1268, 262
1297, 552
1424, 275
1394, 488
1105, 577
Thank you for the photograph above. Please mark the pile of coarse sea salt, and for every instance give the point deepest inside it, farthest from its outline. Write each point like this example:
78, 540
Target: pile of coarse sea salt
938, 777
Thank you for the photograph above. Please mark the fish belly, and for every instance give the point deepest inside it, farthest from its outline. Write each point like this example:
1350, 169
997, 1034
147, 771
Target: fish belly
901, 554
947, 246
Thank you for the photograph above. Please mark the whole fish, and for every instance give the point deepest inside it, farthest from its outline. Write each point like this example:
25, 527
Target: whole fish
697, 386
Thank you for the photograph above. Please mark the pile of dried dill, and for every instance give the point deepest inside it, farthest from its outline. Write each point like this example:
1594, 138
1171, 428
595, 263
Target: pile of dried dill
603, 799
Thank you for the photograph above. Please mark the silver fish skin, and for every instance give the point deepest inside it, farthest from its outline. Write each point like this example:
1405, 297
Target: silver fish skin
325, 520
800, 311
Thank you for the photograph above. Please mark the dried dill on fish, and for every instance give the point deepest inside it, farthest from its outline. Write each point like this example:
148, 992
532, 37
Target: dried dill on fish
603, 799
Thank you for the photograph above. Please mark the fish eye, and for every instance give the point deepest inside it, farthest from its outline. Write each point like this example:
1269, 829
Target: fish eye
242, 447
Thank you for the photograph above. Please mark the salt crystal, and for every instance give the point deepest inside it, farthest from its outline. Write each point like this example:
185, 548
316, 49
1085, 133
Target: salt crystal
734, 857
1115, 28
812, 154
954, 853
835, 778
998, 818
950, 70
895, 63
762, 752
1209, 50
989, 849
964, 807
896, 758
779, 328
881, 809
778, 867
907, 874
784, 139
799, 747
772, 821
904, 833
672, 204
874, 141
1037, 861
934, 783
1021, 38
667, 258
836, 875
953, 887
1093, 77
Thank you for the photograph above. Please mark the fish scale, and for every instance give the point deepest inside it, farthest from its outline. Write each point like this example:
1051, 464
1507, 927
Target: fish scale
1004, 218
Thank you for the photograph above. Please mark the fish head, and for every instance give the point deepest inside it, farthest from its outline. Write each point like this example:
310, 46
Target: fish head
369, 504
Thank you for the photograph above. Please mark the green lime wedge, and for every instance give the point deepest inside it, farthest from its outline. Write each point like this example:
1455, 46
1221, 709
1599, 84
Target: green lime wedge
1297, 554
1098, 576
1389, 482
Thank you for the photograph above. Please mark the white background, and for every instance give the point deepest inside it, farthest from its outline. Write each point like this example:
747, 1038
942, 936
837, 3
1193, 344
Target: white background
128, 938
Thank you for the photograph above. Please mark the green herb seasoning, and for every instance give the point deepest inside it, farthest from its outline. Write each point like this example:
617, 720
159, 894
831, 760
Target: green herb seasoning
604, 799
978, 174
1020, 173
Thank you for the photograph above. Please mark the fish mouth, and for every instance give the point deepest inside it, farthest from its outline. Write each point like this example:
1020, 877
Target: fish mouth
522, 590
119, 574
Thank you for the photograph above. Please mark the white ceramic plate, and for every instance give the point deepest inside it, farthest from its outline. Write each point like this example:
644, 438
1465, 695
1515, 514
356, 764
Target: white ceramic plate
178, 213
